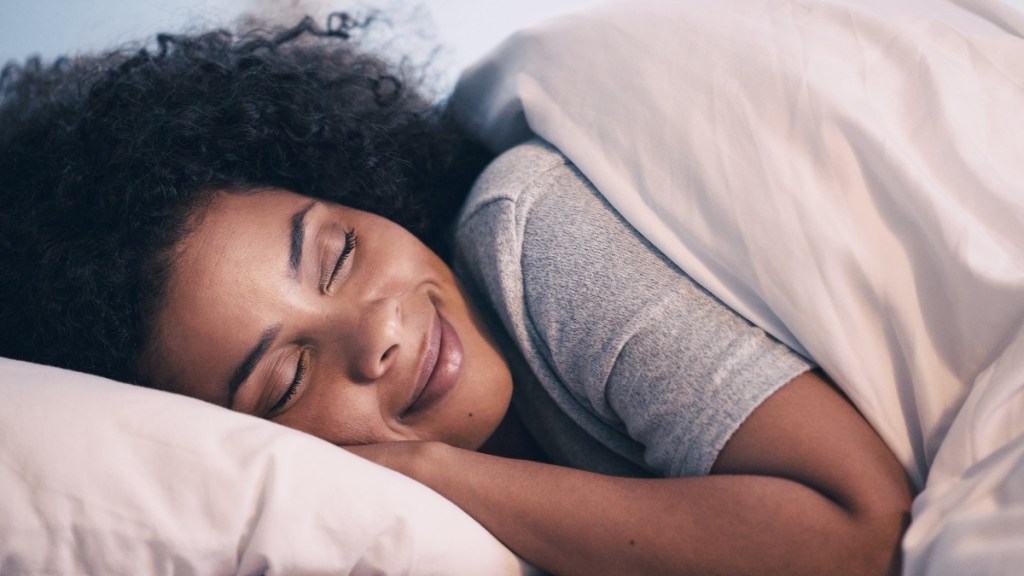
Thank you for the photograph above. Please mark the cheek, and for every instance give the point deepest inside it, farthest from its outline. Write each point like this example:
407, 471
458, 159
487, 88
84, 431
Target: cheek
340, 418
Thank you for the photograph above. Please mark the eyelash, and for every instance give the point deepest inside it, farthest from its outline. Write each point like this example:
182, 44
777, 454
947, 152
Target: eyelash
300, 372
350, 244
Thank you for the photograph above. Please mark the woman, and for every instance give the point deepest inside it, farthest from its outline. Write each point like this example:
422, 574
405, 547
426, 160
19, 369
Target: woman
247, 220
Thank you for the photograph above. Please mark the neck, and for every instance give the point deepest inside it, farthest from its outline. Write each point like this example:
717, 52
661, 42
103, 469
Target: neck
512, 440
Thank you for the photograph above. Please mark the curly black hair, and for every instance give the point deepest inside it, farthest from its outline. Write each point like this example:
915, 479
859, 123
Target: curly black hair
104, 158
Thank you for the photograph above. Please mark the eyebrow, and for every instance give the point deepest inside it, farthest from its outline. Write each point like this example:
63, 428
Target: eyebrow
297, 237
245, 369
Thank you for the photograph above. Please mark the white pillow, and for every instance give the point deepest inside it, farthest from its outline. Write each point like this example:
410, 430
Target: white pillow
100, 477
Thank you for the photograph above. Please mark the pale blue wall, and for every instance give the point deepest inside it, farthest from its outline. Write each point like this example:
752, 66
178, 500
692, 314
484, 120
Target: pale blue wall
54, 27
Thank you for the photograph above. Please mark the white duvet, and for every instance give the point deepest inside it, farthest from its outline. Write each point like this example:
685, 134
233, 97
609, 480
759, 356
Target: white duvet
848, 175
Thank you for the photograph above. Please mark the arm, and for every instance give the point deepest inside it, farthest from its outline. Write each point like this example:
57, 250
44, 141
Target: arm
805, 486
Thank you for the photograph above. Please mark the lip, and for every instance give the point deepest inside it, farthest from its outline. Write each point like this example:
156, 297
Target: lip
439, 368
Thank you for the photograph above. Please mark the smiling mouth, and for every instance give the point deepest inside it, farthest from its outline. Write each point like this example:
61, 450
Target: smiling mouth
440, 367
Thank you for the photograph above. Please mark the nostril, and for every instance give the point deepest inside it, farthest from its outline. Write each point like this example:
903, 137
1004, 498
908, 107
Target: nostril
388, 354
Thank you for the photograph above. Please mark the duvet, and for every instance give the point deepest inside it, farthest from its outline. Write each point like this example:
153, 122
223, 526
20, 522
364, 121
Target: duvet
847, 174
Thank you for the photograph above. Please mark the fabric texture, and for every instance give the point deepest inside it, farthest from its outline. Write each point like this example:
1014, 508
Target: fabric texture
100, 477
846, 174
635, 369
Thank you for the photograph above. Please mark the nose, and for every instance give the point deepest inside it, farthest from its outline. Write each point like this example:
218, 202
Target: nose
375, 340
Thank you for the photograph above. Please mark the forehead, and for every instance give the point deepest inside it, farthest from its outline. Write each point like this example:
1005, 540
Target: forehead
226, 275
227, 213
237, 247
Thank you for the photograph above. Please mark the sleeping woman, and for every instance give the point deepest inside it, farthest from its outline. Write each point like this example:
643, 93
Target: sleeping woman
267, 222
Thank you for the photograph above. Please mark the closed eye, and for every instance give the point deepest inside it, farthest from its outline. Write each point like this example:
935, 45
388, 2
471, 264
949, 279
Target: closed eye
350, 245
301, 367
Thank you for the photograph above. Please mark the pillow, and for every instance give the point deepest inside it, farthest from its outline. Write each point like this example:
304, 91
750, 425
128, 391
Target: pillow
100, 477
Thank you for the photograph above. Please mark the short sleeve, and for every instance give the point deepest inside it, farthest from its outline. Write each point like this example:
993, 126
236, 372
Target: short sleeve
633, 338
625, 351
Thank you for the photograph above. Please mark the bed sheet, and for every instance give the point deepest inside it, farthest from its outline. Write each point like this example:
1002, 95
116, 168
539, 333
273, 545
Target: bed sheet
846, 174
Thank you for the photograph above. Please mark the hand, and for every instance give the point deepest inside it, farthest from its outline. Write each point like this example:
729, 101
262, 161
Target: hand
410, 458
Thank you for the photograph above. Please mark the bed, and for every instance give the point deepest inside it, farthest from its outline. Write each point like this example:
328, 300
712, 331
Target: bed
846, 174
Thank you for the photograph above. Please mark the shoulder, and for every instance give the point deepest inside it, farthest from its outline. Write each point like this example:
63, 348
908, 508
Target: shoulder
536, 232
512, 217
512, 175
623, 341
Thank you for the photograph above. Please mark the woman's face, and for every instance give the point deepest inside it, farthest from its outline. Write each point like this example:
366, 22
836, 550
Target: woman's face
326, 319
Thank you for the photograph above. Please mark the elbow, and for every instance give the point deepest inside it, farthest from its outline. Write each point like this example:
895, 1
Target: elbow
878, 528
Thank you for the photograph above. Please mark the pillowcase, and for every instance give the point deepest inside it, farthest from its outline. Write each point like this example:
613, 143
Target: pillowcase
100, 477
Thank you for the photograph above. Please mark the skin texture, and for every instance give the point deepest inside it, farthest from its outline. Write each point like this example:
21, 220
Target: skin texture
363, 340
804, 486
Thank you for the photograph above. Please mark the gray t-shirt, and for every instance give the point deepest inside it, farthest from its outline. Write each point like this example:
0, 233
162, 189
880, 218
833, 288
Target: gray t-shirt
628, 366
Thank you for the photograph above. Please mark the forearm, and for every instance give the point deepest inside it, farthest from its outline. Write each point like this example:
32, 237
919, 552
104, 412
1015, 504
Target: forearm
804, 486
572, 522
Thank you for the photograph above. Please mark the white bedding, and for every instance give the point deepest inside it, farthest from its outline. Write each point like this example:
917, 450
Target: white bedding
847, 174
98, 477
